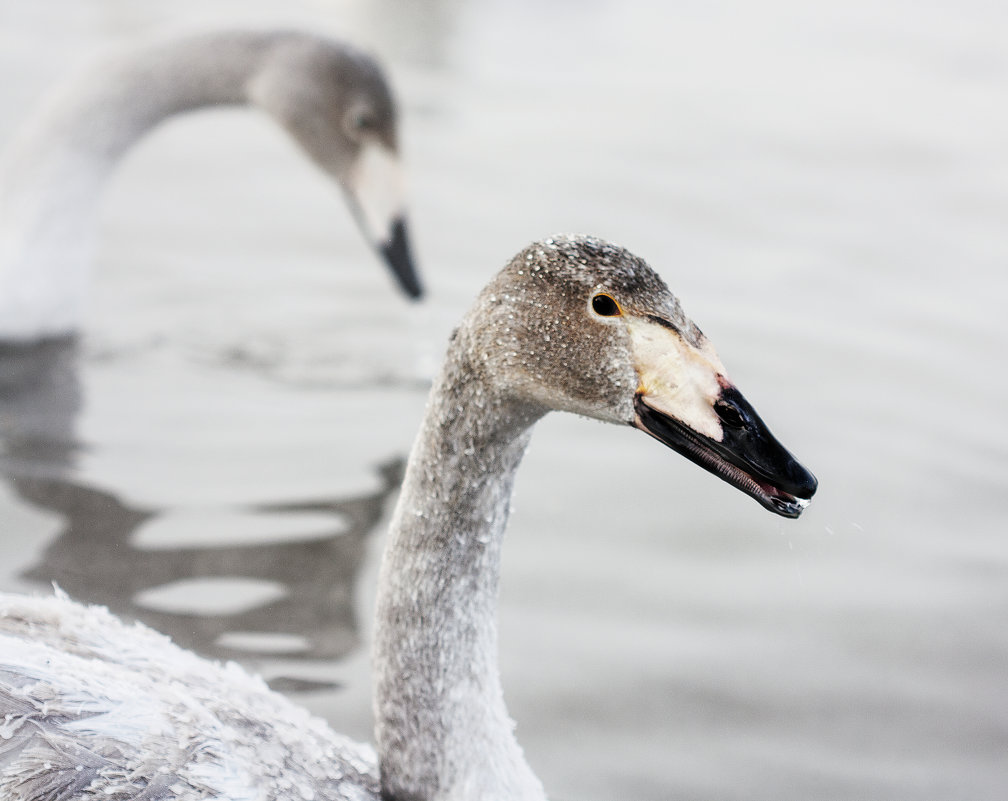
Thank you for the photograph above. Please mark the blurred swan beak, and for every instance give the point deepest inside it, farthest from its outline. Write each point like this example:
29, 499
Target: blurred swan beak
375, 194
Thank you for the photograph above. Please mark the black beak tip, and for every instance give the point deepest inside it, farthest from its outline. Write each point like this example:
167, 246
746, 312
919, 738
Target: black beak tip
801, 485
397, 254
784, 508
797, 480
811, 485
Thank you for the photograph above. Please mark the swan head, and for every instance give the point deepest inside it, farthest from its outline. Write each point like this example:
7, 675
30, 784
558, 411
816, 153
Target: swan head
336, 103
577, 324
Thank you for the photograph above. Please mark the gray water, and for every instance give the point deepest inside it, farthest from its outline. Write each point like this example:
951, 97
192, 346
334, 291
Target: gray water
826, 188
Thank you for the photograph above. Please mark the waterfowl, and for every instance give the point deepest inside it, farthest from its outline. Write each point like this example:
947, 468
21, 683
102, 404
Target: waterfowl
332, 98
92, 707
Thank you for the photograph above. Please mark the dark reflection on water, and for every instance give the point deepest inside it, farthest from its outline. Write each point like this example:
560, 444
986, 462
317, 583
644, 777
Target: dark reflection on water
40, 397
94, 559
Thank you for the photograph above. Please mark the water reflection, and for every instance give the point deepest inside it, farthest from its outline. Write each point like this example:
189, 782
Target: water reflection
101, 554
40, 397
94, 559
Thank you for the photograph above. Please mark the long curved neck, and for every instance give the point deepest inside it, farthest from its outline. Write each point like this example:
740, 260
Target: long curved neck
443, 731
52, 173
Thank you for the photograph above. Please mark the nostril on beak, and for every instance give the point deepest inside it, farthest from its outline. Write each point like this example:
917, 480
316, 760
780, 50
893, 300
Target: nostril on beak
729, 413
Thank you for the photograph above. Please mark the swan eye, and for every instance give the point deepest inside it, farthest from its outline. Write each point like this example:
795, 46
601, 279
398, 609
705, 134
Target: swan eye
604, 306
363, 121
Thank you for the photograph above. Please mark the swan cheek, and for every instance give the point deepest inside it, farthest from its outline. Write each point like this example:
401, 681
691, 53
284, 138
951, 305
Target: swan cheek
676, 378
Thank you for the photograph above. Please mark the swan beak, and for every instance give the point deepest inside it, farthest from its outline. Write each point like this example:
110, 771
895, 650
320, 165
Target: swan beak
398, 256
375, 193
685, 402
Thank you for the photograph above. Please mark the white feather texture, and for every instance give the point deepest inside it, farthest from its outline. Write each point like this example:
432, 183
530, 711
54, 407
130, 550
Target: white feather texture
96, 708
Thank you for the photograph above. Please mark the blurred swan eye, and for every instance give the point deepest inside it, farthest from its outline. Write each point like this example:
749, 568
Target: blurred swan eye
604, 306
360, 121
363, 121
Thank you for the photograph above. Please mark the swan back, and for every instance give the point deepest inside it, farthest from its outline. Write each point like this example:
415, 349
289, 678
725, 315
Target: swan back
97, 708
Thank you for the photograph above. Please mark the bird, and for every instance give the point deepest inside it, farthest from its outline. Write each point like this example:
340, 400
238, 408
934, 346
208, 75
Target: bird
94, 707
330, 96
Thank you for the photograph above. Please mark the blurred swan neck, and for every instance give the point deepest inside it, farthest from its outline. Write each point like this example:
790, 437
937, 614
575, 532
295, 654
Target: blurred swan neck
52, 173
443, 730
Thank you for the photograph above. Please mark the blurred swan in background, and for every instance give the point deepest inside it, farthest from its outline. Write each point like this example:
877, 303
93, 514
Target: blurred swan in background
329, 96
92, 707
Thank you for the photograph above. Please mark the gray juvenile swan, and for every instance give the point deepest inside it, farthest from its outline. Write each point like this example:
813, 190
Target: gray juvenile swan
90, 707
330, 97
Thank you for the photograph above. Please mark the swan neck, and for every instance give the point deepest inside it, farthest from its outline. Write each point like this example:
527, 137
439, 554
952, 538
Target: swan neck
443, 730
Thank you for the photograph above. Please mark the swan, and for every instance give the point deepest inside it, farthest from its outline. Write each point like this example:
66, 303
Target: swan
92, 707
330, 97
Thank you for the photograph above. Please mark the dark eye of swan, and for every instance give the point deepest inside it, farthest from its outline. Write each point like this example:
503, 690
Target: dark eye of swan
363, 120
605, 306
